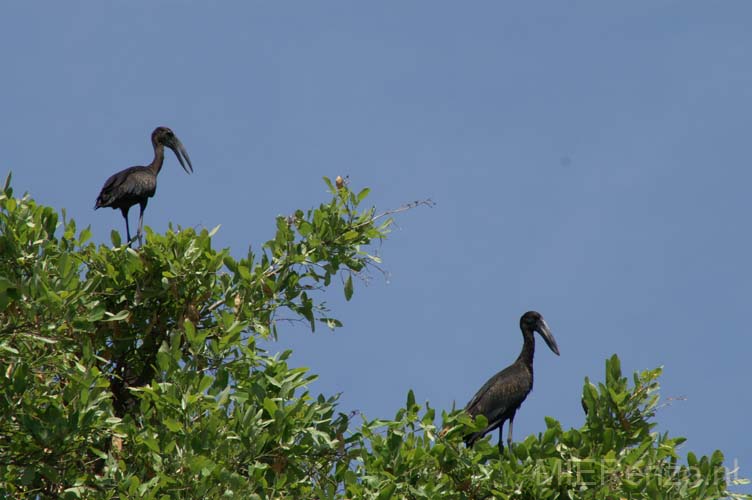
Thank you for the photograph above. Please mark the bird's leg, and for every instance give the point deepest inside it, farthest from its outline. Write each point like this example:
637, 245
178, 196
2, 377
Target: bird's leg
141, 224
124, 211
509, 436
501, 438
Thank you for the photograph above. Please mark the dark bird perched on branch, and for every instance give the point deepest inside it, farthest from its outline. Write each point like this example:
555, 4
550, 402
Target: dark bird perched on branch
137, 184
500, 397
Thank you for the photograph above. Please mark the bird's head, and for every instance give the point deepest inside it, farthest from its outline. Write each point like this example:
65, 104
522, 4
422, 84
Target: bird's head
533, 321
166, 137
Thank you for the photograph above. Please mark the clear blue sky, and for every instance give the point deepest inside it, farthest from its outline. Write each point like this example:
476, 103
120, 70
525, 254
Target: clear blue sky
588, 160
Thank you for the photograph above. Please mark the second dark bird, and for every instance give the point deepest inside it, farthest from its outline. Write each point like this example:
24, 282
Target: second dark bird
137, 184
500, 397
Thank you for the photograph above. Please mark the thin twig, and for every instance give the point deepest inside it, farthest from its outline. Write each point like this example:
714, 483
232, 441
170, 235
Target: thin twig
214, 306
428, 202
669, 401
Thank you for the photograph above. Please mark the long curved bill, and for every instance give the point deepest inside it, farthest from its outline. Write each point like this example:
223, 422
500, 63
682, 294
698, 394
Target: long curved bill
545, 332
182, 155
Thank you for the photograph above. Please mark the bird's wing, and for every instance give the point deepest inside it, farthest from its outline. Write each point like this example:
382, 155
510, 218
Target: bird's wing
116, 183
504, 391
112, 183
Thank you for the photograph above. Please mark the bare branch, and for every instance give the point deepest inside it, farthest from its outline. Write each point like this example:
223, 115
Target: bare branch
428, 202
670, 400
214, 306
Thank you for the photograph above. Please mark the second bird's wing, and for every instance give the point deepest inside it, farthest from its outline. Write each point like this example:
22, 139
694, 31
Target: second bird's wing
501, 394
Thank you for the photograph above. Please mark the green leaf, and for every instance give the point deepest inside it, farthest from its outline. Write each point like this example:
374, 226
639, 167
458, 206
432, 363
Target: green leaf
348, 288
244, 272
152, 444
270, 406
386, 491
190, 331
206, 382
172, 424
410, 399
115, 238
120, 316
85, 235
362, 195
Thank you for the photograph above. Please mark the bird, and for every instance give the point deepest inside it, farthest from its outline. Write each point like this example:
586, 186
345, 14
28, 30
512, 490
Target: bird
137, 184
502, 395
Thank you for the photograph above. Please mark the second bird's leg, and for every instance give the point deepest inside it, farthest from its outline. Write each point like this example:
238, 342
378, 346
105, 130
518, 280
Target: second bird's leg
141, 224
501, 438
124, 211
509, 437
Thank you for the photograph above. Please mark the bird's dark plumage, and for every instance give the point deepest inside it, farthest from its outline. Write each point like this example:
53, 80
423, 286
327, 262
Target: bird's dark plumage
137, 184
500, 397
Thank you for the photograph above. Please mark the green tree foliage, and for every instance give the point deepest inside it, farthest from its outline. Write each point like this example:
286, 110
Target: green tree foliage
614, 455
136, 374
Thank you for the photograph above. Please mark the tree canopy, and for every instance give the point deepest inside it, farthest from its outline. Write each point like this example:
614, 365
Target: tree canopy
136, 373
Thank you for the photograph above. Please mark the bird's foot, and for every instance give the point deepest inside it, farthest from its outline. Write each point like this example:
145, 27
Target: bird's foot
133, 240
